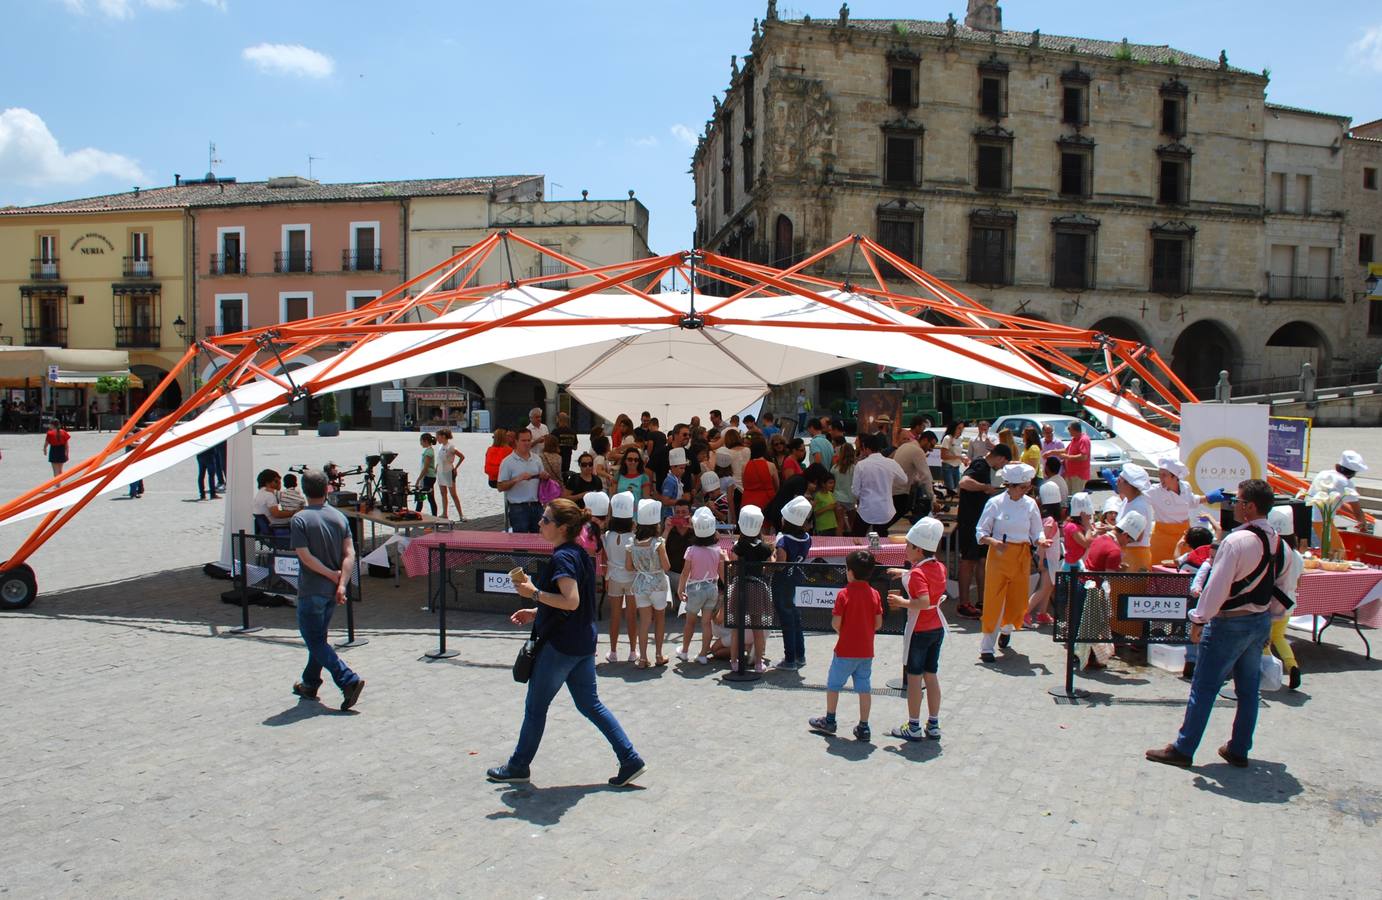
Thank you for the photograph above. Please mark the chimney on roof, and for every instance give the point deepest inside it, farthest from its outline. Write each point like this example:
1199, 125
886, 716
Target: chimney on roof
177, 179
984, 15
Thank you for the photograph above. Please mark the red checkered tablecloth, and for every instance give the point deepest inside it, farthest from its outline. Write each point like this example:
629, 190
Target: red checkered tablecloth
1324, 593
469, 545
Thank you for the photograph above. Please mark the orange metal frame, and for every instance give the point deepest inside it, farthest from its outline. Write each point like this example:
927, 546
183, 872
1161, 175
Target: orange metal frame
257, 353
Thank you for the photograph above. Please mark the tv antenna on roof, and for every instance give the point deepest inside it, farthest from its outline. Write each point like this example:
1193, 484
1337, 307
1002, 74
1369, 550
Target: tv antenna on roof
212, 161
311, 159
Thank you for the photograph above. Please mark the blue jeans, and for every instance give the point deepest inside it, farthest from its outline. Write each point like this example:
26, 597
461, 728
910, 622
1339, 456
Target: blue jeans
523, 517
951, 476
1230, 646
551, 670
788, 618
206, 475
314, 619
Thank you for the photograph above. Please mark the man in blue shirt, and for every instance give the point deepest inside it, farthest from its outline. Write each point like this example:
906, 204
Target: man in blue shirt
768, 427
518, 482
819, 449
326, 557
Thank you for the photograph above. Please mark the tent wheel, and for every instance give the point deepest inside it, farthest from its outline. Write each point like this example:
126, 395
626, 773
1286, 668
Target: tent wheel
18, 588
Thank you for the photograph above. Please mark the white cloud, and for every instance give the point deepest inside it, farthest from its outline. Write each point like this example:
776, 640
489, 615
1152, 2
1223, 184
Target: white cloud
683, 134
289, 59
29, 154
647, 140
124, 9
1367, 50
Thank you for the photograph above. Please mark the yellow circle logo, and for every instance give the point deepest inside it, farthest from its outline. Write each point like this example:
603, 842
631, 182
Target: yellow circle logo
1222, 463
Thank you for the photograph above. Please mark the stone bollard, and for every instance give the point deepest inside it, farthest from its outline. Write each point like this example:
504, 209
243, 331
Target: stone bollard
1307, 381
1223, 391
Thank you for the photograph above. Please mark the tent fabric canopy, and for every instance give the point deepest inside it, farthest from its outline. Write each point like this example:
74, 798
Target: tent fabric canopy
620, 348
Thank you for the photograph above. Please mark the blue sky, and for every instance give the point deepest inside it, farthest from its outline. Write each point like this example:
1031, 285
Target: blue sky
100, 95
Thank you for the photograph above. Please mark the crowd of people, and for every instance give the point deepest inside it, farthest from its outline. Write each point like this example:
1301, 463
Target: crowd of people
653, 503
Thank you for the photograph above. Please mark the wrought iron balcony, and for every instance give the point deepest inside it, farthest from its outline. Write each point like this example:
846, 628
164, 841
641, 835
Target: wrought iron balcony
1304, 287
139, 267
44, 269
293, 261
45, 337
138, 336
228, 264
362, 260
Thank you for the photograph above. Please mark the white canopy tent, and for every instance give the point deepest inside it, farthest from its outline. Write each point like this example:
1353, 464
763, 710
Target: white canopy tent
672, 371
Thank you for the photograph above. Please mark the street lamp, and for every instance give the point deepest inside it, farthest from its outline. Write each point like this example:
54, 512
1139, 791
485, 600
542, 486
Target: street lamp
180, 327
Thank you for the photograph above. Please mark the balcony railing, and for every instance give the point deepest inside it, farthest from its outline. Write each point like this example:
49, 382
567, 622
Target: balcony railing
293, 261
44, 269
552, 270
225, 328
139, 267
1304, 287
45, 337
362, 260
228, 264
138, 336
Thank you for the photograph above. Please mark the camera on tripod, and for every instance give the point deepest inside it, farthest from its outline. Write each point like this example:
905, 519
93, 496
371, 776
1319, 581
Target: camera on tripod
389, 490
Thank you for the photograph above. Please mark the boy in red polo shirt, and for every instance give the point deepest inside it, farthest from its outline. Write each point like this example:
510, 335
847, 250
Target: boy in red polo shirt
858, 614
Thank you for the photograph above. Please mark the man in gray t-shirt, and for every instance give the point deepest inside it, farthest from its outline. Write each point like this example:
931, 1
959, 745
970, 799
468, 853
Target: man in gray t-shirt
326, 554
518, 482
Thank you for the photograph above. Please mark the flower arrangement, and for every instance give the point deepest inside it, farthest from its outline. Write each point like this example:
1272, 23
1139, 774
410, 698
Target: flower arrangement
1326, 494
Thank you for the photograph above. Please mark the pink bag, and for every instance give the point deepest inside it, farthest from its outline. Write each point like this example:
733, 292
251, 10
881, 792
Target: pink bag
548, 490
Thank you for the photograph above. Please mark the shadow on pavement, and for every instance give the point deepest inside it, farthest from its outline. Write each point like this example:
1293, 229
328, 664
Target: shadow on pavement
916, 751
1261, 782
546, 806
846, 747
303, 710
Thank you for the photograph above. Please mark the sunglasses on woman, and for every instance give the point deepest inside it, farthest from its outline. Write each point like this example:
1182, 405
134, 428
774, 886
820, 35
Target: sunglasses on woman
545, 520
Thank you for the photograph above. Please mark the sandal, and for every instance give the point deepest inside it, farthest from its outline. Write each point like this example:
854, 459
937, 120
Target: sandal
643, 664
612, 656
662, 660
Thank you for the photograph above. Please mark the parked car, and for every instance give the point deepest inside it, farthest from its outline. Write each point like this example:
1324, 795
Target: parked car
1102, 448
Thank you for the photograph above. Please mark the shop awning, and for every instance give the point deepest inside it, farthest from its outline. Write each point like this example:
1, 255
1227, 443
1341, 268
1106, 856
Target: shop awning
74, 366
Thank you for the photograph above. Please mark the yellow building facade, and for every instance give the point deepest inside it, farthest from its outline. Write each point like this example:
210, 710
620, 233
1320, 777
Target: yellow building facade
97, 279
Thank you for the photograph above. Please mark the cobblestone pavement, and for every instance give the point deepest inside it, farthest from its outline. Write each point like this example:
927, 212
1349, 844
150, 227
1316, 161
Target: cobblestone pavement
146, 753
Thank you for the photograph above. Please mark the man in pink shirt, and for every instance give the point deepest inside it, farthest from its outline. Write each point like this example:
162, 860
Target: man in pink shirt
1231, 623
1076, 457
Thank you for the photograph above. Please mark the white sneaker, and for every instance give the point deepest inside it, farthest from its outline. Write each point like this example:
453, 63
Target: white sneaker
681, 655
703, 660
633, 656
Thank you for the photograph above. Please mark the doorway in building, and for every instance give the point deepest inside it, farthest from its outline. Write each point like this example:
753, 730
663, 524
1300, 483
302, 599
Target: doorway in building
515, 396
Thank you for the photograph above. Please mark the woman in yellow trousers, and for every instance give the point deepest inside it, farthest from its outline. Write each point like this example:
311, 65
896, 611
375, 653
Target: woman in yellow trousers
1282, 519
1174, 505
1010, 526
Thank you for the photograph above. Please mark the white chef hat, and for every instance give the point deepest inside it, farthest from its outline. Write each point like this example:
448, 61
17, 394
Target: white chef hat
1049, 492
621, 505
1081, 504
1173, 465
1017, 473
926, 534
797, 510
649, 512
597, 502
676, 457
1353, 461
1283, 519
1133, 524
750, 521
1111, 505
1136, 476
710, 482
703, 522
723, 457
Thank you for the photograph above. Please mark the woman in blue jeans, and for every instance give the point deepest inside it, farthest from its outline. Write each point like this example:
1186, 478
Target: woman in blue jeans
565, 625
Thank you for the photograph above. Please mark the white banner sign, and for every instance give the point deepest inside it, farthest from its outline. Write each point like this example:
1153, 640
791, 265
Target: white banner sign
496, 583
1175, 608
817, 597
287, 565
1223, 444
388, 395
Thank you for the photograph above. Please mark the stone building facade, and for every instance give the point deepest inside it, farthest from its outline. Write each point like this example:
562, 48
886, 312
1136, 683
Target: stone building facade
1108, 185
1362, 246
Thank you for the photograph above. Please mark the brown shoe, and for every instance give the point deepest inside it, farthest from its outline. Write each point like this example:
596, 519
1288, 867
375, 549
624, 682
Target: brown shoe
1170, 756
350, 693
1233, 759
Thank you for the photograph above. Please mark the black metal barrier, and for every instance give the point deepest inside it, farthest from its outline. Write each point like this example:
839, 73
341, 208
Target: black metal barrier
1130, 609
262, 564
481, 577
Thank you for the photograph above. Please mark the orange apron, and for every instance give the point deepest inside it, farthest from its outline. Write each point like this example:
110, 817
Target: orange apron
1007, 582
1165, 536
1136, 559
